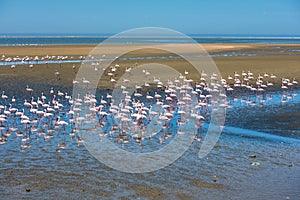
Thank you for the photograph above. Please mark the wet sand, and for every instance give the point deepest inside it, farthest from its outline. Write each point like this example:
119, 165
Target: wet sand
226, 173
267, 59
73, 50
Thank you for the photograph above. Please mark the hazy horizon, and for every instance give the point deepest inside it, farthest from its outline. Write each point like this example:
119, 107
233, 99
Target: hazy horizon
111, 34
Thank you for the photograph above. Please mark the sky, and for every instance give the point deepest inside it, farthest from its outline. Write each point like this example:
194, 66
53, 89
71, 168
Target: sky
208, 17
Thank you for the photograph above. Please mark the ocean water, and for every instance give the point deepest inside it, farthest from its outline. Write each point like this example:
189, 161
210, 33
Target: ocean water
12, 40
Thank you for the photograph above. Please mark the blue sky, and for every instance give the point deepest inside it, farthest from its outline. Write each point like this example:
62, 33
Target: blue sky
252, 17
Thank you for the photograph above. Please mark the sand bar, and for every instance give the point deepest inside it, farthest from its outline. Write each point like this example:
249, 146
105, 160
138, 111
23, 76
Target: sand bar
280, 59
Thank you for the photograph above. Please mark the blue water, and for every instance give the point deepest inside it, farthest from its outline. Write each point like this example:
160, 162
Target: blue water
11, 40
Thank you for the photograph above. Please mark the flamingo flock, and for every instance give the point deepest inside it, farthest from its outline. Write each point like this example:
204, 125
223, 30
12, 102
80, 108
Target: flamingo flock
155, 111
36, 59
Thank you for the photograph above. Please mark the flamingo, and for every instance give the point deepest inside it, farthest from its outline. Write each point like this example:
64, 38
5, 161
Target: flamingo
28, 89
3, 96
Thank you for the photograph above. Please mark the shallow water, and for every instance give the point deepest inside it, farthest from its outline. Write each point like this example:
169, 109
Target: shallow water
74, 173
45, 171
273, 116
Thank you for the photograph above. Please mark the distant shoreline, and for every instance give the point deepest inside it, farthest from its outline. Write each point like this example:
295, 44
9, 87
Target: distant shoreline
83, 49
37, 40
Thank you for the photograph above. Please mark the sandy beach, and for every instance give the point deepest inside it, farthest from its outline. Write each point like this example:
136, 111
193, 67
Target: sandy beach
74, 50
279, 59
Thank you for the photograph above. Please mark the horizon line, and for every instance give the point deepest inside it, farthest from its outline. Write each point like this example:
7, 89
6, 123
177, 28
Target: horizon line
78, 35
